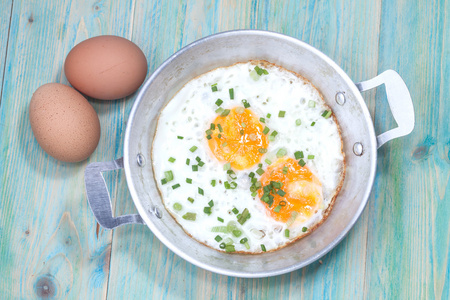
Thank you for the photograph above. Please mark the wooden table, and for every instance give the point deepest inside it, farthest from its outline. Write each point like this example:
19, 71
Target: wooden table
50, 243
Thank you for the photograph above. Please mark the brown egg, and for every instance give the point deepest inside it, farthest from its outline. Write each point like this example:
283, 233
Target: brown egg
64, 123
106, 67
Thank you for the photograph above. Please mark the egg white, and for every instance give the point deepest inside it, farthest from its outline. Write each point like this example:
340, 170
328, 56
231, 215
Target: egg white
190, 113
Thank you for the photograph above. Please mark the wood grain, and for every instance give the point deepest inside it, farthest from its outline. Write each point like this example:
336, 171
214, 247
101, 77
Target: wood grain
5, 18
50, 244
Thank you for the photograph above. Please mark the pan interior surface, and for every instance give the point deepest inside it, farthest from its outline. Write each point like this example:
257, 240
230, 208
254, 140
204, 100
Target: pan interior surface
222, 50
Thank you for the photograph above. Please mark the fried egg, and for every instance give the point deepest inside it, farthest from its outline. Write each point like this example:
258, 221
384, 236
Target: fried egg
248, 158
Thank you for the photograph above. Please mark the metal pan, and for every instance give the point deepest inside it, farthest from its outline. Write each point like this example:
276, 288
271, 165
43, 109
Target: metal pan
224, 49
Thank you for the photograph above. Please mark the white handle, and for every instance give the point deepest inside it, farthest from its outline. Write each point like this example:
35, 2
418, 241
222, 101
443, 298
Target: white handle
399, 101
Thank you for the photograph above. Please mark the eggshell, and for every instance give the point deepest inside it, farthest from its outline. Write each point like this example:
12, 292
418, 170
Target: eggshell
106, 67
64, 122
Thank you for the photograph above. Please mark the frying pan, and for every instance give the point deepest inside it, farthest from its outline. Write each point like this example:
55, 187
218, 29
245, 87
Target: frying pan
224, 49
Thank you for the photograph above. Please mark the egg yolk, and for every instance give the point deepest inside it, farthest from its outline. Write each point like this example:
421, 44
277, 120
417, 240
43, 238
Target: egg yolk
301, 191
238, 138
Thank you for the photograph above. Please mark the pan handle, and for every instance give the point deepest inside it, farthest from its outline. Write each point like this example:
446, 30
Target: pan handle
399, 101
98, 195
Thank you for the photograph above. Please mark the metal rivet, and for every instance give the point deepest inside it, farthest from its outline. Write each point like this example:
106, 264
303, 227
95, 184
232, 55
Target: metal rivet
140, 160
358, 149
157, 212
340, 98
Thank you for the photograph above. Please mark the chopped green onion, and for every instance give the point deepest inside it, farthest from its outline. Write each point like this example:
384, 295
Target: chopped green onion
298, 122
251, 175
198, 159
243, 124
273, 135
190, 216
218, 238
292, 218
237, 233
219, 102
211, 203
207, 210
177, 206
222, 245
281, 193
304, 229
241, 132
263, 248
266, 130
243, 240
311, 104
191, 199
220, 127
244, 216
286, 233
268, 161
247, 246
213, 126
254, 194
214, 87
254, 75
188, 180
262, 150
281, 114
200, 191
225, 113
313, 123
298, 154
235, 210
163, 181
219, 135
285, 170
193, 148
209, 137
301, 162
224, 144
261, 71
262, 120
175, 186
209, 132
260, 171
227, 166
326, 114
230, 248
201, 164
277, 184
220, 219
282, 152
231, 174
168, 175
310, 156
180, 137
188, 161
246, 104
223, 229
213, 182
231, 226
231, 92
194, 168
277, 209
172, 159
219, 110
239, 110
268, 116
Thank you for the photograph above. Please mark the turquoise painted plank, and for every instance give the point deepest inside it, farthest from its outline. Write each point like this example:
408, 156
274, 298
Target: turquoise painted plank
50, 244
140, 264
5, 17
410, 219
